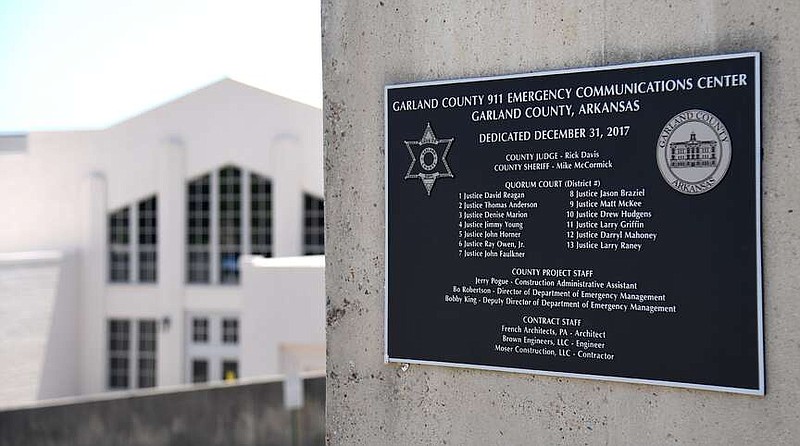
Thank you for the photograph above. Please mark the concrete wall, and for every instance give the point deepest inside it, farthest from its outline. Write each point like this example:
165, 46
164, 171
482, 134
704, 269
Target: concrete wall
245, 414
369, 45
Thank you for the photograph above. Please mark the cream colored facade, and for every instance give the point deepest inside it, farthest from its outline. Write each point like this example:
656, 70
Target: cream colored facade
61, 190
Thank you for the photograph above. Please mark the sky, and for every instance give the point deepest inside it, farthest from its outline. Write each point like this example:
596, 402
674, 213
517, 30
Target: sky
86, 64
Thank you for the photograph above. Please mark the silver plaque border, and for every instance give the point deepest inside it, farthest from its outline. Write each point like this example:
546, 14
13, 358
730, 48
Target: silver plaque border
759, 279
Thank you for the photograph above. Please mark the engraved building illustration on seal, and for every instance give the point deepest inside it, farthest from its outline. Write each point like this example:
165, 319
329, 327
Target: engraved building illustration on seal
693, 153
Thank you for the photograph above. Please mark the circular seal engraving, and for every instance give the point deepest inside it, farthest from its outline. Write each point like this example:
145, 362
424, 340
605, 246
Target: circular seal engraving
433, 156
693, 152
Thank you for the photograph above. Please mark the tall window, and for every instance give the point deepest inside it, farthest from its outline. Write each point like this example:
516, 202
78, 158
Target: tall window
234, 198
132, 354
147, 353
314, 225
230, 224
119, 350
198, 261
148, 240
119, 255
260, 216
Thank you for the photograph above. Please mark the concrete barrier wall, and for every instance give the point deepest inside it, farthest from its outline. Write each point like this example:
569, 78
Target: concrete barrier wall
236, 414
367, 45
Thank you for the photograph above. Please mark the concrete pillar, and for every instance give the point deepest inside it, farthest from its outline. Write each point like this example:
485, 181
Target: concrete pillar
94, 277
367, 46
171, 260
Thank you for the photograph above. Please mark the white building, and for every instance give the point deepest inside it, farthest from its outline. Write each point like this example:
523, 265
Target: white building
137, 244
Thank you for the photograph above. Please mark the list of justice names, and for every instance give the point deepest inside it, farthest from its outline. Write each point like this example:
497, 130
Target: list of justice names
498, 224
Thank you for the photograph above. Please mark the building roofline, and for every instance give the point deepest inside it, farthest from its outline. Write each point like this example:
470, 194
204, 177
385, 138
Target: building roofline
171, 100
221, 81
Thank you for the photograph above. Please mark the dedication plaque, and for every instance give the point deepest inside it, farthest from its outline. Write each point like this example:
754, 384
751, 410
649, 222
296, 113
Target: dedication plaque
596, 223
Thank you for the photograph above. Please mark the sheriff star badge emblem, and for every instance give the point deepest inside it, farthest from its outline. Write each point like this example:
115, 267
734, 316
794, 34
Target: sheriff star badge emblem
429, 159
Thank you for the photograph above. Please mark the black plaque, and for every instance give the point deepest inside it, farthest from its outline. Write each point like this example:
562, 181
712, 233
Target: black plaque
596, 223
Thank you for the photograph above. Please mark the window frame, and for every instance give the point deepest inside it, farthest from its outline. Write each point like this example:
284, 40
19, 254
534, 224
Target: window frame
229, 330
119, 246
226, 361
313, 224
198, 230
197, 360
261, 215
118, 354
147, 239
230, 203
198, 336
147, 355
